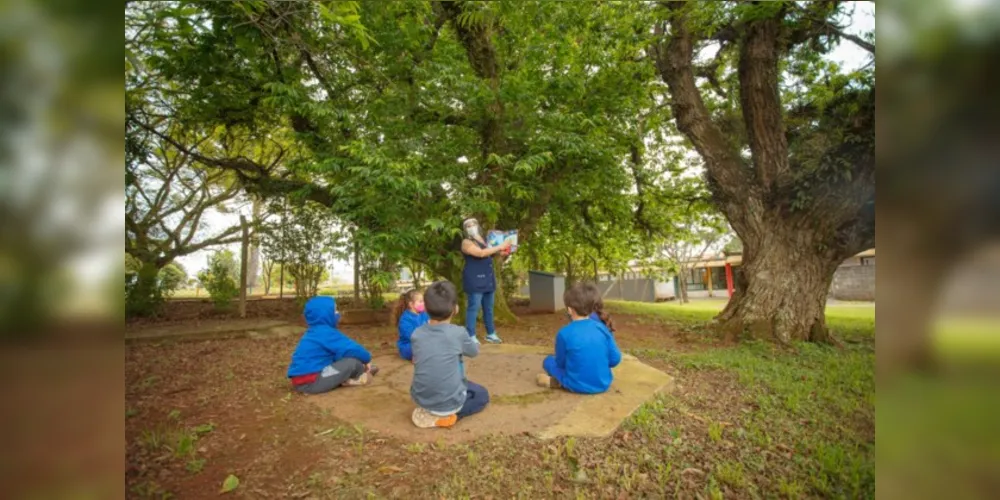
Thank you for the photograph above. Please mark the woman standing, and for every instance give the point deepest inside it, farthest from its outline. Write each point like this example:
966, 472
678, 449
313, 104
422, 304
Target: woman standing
478, 279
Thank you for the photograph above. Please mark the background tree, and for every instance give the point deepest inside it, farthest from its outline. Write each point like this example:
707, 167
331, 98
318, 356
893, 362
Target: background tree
451, 112
166, 198
171, 278
220, 278
791, 162
305, 237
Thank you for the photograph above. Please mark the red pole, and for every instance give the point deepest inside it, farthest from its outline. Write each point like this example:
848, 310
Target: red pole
729, 278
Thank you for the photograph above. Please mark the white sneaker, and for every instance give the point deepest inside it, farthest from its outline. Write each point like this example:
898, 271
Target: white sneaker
362, 379
475, 339
494, 338
427, 420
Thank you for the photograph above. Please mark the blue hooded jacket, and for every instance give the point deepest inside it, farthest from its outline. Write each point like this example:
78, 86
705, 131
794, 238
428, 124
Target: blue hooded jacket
586, 351
409, 321
323, 344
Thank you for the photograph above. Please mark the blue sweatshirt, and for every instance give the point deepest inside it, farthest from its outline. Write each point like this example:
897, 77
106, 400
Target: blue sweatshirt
586, 352
409, 321
323, 344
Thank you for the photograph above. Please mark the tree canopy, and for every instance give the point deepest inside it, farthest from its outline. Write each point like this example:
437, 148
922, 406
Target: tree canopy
567, 121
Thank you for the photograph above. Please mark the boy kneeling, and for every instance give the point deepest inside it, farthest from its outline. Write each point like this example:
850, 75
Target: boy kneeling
439, 387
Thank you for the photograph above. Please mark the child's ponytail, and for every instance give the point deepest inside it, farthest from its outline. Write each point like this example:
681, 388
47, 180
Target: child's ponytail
402, 304
398, 308
604, 316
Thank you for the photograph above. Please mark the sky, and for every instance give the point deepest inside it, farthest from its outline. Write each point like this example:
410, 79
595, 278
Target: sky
847, 54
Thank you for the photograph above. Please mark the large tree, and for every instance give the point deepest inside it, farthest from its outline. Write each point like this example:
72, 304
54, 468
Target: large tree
422, 115
788, 144
167, 195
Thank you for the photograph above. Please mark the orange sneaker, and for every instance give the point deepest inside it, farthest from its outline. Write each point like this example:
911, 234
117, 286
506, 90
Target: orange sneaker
427, 420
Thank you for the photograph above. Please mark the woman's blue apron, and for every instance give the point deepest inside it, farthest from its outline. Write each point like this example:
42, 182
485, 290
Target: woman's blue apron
477, 275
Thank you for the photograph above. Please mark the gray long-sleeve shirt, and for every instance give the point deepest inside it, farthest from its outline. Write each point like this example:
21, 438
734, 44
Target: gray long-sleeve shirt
438, 384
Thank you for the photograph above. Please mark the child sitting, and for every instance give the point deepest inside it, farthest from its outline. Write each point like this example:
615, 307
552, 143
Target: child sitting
585, 349
326, 358
439, 388
409, 314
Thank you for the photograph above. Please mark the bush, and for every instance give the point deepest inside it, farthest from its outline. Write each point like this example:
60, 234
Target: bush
170, 278
219, 279
146, 286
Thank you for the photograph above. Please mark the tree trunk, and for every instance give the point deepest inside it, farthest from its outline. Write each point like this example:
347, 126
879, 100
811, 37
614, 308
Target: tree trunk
682, 285
146, 294
570, 275
357, 273
244, 257
254, 265
501, 310
783, 292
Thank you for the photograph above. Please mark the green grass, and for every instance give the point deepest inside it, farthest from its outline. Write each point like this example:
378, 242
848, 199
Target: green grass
814, 405
850, 320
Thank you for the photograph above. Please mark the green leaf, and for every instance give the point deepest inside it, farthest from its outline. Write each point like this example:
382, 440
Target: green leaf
230, 484
204, 428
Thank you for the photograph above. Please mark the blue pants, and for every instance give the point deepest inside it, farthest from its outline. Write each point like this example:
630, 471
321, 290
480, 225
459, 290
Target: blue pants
550, 367
472, 312
405, 351
476, 399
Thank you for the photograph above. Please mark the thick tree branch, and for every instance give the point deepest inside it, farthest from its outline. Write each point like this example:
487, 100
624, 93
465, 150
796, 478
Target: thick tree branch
673, 58
255, 177
760, 99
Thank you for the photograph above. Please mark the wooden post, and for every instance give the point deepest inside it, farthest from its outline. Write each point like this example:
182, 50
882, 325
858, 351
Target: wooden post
729, 279
357, 265
708, 278
244, 256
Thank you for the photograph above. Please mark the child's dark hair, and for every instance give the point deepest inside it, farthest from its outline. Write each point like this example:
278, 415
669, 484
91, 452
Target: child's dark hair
405, 299
580, 298
440, 300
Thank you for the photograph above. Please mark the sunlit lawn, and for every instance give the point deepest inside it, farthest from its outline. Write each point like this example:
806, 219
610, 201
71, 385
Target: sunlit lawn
816, 400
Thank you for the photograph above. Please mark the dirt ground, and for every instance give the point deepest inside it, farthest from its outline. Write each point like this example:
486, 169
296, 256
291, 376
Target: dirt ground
197, 412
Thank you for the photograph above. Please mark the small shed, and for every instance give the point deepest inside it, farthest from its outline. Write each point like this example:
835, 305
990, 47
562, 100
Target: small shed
546, 291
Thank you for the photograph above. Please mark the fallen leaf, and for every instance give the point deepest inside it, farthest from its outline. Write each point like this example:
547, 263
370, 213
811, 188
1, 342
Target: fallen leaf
692, 470
230, 484
389, 468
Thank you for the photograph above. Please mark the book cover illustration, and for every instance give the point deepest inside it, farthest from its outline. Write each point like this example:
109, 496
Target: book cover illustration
496, 238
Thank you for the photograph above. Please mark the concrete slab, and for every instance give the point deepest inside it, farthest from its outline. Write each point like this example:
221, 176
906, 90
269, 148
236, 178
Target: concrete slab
517, 405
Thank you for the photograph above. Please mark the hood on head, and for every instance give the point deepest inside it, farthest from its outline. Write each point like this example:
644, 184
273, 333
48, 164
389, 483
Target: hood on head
321, 310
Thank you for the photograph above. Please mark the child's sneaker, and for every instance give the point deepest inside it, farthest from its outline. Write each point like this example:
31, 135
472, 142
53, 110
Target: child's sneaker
545, 380
475, 339
493, 338
426, 420
362, 379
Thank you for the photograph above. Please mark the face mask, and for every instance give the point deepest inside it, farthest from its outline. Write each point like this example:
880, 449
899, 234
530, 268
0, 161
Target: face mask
419, 308
336, 318
472, 228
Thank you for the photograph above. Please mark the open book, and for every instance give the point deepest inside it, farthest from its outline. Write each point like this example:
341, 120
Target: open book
496, 238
